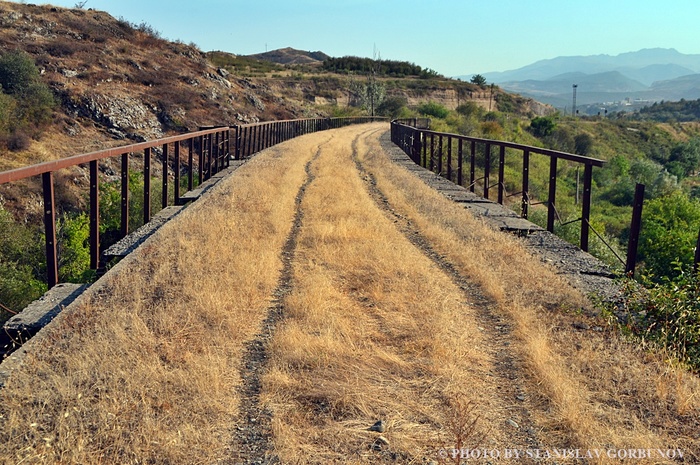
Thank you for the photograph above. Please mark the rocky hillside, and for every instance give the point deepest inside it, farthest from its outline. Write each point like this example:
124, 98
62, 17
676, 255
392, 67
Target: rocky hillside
117, 82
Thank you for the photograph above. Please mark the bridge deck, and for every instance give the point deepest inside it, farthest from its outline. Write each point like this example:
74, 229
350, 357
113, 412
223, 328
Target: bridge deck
321, 290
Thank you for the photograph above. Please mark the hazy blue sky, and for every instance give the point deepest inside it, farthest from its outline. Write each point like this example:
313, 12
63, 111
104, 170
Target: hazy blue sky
453, 37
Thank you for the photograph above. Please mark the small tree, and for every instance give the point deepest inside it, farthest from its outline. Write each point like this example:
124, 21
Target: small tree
542, 126
17, 72
369, 96
583, 144
24, 99
392, 106
684, 158
479, 80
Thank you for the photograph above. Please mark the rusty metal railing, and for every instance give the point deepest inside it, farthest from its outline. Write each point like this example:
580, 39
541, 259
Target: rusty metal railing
447, 154
207, 151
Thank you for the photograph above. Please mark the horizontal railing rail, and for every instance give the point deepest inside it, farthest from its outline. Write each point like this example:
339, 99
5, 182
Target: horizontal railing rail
449, 154
207, 152
418, 123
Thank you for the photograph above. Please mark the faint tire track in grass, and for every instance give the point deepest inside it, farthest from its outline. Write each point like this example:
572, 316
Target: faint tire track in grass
252, 440
510, 367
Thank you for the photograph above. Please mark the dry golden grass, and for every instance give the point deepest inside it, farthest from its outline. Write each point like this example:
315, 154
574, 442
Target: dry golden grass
145, 370
588, 384
373, 330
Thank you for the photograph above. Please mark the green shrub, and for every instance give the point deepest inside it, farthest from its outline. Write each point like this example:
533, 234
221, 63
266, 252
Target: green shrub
73, 235
21, 265
669, 233
25, 101
18, 288
668, 316
542, 126
468, 109
392, 106
492, 130
17, 71
433, 109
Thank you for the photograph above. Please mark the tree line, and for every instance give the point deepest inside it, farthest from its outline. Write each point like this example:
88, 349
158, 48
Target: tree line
666, 112
389, 68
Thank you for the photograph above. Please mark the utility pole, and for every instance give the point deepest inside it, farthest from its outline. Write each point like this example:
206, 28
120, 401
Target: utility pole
573, 108
372, 85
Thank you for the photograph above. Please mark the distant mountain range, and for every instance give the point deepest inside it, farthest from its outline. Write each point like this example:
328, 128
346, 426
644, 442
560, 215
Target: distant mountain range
642, 77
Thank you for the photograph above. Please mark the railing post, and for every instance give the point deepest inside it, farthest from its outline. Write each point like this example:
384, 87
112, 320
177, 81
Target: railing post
460, 161
228, 147
210, 155
551, 200
176, 169
124, 226
164, 191
200, 157
586, 208
501, 172
238, 142
472, 166
190, 164
416, 146
146, 185
220, 151
50, 229
432, 152
525, 203
440, 154
449, 158
94, 215
635, 229
487, 169
256, 138
696, 262
215, 152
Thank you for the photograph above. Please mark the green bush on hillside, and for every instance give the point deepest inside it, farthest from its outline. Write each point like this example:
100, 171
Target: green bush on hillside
542, 126
25, 101
392, 107
668, 314
433, 109
73, 235
21, 265
670, 226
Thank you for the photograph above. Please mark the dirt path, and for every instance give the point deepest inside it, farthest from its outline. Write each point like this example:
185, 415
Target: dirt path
360, 257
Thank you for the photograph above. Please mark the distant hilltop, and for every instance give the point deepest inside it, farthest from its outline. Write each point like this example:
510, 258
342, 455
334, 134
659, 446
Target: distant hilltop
291, 56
